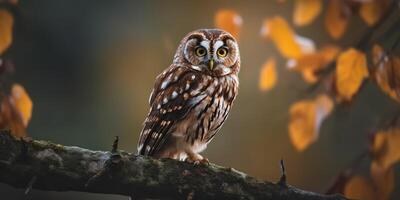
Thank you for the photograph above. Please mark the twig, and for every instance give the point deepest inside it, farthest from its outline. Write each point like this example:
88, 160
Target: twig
282, 181
115, 145
30, 185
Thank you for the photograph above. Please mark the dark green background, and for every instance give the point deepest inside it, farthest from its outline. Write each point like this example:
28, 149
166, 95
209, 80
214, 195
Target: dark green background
89, 67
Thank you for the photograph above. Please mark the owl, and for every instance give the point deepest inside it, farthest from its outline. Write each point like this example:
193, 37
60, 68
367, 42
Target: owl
192, 98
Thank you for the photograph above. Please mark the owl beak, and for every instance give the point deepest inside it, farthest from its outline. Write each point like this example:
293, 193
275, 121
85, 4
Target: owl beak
211, 64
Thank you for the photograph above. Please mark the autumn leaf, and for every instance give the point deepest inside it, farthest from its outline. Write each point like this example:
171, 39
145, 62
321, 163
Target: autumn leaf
386, 72
360, 187
385, 147
6, 26
306, 117
284, 38
16, 111
268, 75
309, 64
305, 11
336, 19
10, 119
22, 102
230, 21
371, 11
351, 70
383, 180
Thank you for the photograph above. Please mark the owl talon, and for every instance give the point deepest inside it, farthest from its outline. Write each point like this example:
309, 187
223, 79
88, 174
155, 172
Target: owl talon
203, 161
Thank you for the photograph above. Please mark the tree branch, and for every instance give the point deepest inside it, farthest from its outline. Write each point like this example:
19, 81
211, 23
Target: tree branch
46, 166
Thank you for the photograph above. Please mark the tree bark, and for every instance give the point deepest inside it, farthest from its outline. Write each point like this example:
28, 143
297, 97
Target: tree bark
47, 166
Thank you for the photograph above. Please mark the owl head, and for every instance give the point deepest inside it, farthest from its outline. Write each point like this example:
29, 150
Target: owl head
211, 51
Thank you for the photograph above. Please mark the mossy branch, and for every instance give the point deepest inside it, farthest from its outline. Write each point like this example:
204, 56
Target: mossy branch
46, 166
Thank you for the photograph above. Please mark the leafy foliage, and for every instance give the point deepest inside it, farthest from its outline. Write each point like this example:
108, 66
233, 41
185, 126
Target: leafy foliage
16, 105
343, 71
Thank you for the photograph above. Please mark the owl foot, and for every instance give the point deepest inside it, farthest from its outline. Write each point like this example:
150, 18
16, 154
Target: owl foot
203, 161
197, 159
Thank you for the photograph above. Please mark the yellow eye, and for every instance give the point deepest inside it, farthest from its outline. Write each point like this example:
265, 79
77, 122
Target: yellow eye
200, 51
222, 52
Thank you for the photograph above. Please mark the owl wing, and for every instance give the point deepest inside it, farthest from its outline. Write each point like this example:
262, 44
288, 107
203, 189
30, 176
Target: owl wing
170, 103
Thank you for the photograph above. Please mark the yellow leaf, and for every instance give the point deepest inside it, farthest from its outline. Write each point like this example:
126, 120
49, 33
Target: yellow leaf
22, 102
383, 180
371, 11
385, 147
279, 31
305, 11
359, 187
230, 21
6, 25
268, 75
306, 118
351, 70
336, 20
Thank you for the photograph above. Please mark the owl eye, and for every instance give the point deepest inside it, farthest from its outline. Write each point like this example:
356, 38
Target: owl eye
222, 52
200, 51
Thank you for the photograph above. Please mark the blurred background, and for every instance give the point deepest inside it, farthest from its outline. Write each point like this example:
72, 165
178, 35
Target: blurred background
89, 67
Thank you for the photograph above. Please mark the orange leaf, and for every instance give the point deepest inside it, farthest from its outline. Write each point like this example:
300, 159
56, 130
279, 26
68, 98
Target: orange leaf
383, 180
10, 119
336, 19
385, 147
314, 61
306, 118
6, 25
359, 187
268, 75
279, 31
229, 20
308, 64
386, 72
305, 11
22, 102
371, 11
351, 70
309, 76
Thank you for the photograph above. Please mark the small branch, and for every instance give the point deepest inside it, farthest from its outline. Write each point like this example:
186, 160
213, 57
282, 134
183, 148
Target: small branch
30, 185
65, 168
115, 145
282, 181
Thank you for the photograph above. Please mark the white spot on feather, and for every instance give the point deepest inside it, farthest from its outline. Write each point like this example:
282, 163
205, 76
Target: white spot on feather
174, 95
195, 67
164, 84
